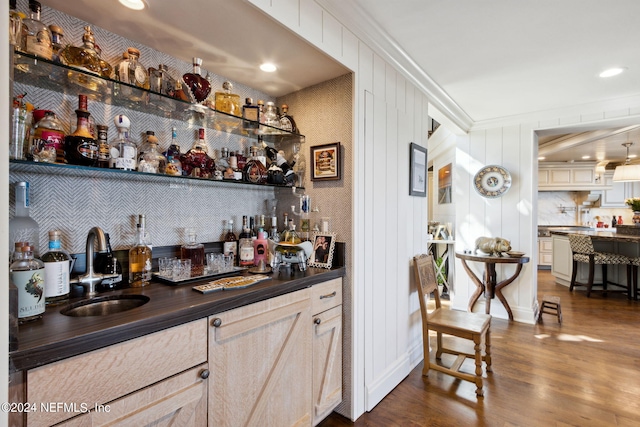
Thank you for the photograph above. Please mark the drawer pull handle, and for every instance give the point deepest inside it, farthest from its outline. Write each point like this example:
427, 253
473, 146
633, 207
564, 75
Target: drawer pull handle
204, 374
317, 321
217, 322
331, 295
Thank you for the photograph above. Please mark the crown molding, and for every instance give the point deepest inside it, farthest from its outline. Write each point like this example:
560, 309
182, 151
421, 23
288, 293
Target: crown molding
360, 23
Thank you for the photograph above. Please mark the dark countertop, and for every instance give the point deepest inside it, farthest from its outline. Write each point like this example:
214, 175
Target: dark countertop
58, 337
602, 235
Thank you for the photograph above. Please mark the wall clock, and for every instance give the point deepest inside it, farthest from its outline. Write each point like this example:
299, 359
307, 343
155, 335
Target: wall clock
492, 181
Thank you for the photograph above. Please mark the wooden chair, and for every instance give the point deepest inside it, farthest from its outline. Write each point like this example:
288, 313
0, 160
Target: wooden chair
462, 324
582, 251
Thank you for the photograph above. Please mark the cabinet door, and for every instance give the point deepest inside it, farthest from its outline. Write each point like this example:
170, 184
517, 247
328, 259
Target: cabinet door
177, 401
327, 362
260, 359
615, 196
562, 265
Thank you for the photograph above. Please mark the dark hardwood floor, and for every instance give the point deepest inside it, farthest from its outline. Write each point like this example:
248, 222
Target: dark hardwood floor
585, 372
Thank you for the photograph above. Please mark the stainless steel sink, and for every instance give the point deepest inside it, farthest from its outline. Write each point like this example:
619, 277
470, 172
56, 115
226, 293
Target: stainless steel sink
102, 306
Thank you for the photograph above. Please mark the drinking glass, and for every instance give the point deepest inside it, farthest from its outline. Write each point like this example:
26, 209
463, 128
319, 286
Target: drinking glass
165, 266
181, 269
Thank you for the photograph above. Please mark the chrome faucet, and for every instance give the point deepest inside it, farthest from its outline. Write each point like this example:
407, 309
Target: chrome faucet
90, 279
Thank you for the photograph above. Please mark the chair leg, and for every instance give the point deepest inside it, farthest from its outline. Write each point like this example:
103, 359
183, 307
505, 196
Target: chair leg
425, 350
574, 273
487, 350
630, 283
439, 349
605, 279
477, 348
590, 281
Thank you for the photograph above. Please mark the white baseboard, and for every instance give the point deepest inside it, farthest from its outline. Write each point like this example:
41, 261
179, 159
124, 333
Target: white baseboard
386, 382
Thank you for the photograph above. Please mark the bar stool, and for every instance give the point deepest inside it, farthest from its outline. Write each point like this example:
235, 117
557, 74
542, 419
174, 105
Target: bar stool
633, 288
583, 251
550, 305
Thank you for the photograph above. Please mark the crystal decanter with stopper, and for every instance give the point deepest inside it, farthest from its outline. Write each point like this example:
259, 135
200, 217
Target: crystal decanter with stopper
85, 57
228, 102
196, 162
195, 252
196, 86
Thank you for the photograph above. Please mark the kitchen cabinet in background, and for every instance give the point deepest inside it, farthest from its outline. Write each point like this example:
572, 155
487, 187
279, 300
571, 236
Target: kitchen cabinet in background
617, 192
554, 176
545, 252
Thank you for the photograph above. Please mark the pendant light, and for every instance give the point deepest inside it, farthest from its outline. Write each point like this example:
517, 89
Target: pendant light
627, 172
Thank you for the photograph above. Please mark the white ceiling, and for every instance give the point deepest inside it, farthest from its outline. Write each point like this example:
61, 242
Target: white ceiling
491, 58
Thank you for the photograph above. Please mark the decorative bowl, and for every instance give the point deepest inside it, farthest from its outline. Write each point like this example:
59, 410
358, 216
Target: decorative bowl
515, 254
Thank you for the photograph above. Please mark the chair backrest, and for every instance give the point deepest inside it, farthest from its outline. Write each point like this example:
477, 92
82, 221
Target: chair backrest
425, 276
581, 244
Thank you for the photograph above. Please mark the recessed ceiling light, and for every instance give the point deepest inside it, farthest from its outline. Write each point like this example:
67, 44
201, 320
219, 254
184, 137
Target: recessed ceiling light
586, 157
133, 4
612, 72
268, 67
541, 158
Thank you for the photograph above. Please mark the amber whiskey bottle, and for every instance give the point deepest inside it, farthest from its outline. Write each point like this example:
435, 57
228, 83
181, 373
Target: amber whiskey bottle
81, 148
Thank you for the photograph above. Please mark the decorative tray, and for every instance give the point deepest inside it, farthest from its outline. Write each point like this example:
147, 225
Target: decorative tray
170, 281
235, 282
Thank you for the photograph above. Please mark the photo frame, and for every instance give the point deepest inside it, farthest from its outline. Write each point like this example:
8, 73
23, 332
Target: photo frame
324, 245
417, 170
325, 162
442, 233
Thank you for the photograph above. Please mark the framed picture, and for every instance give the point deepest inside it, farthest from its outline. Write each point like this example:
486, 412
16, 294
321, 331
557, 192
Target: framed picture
323, 246
325, 162
444, 184
417, 170
442, 233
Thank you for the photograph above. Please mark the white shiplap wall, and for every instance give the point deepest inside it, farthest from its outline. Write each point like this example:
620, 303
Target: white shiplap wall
389, 226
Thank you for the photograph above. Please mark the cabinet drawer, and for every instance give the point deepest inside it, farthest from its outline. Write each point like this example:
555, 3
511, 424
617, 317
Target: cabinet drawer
326, 295
103, 375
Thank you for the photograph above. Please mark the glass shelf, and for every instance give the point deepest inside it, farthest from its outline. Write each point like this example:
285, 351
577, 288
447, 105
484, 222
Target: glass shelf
58, 169
35, 71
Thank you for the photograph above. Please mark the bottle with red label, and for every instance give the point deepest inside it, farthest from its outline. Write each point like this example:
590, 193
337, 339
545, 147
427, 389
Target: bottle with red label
81, 148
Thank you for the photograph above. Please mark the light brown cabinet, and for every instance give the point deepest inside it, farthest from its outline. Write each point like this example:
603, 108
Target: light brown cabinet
104, 376
260, 358
327, 348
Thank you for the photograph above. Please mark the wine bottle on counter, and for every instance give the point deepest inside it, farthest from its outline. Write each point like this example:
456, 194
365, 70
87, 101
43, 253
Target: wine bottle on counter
27, 273
139, 261
245, 245
57, 266
230, 246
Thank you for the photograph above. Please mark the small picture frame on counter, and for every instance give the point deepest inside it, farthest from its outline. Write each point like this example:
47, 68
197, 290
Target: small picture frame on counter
323, 247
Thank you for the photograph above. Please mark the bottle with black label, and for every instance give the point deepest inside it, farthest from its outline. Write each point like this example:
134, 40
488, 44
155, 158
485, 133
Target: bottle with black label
81, 148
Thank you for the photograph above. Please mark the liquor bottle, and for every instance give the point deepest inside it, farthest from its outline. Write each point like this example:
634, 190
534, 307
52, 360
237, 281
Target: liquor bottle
261, 108
260, 248
271, 116
103, 146
245, 245
620, 220
160, 81
80, 147
286, 121
152, 161
122, 151
174, 167
36, 38
15, 25
254, 170
230, 245
252, 228
106, 263
86, 58
131, 71
47, 144
23, 228
57, 263
273, 231
197, 87
139, 261
228, 102
250, 114
305, 220
146, 235
299, 165
278, 158
145, 145
196, 162
27, 273
233, 172
179, 92
195, 252
57, 34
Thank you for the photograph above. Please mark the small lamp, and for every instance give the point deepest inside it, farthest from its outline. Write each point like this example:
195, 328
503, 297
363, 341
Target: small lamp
627, 172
